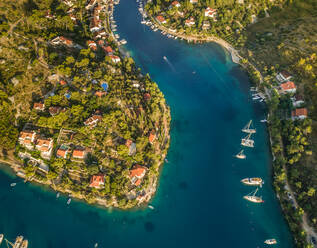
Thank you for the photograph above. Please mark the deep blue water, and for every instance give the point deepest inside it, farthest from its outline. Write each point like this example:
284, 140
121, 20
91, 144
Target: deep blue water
199, 201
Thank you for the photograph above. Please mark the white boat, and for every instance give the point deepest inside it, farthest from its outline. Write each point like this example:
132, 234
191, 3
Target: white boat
247, 141
264, 120
1, 238
164, 57
13, 184
253, 197
253, 181
18, 242
143, 22
96, 245
270, 241
256, 98
248, 129
241, 155
150, 207
25, 244
69, 200
57, 195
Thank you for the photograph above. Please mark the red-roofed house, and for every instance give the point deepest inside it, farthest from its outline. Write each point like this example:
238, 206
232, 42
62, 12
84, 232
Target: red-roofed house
62, 82
95, 25
39, 106
62, 40
93, 120
161, 19
147, 96
299, 114
114, 58
107, 49
283, 76
137, 173
62, 151
100, 93
209, 12
288, 87
92, 45
79, 153
97, 181
175, 4
54, 110
190, 22
45, 146
152, 136
26, 138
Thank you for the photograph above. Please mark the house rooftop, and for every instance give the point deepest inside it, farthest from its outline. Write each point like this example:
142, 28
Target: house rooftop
299, 112
288, 86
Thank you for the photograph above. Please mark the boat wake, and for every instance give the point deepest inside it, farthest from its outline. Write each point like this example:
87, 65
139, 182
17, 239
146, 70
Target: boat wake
169, 63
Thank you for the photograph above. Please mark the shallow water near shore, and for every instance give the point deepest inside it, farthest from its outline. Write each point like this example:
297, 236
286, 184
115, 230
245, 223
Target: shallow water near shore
199, 200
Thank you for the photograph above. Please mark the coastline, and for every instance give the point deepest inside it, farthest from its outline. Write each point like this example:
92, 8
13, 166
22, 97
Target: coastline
161, 148
250, 69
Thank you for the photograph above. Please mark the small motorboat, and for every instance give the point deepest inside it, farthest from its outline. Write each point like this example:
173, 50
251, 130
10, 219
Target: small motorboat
150, 207
69, 201
270, 241
57, 195
13, 184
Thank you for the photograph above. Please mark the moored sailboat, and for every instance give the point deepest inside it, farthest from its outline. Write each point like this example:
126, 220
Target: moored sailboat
270, 241
253, 197
25, 244
241, 155
247, 141
248, 129
253, 181
18, 242
1, 238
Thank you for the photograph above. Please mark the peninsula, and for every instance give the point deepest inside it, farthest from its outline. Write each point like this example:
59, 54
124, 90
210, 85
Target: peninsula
76, 114
275, 41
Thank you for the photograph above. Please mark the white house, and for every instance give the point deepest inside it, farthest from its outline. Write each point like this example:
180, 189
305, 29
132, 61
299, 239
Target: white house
283, 76
297, 101
209, 12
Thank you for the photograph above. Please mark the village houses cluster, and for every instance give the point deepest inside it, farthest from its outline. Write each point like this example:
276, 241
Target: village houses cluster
30, 138
208, 13
286, 86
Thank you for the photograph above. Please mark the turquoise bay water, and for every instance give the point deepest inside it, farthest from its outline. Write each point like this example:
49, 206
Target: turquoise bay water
199, 201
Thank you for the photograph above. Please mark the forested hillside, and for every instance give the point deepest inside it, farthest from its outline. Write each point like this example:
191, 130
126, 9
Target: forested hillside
75, 113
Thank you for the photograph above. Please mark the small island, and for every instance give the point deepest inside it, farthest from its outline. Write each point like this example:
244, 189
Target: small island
275, 42
76, 113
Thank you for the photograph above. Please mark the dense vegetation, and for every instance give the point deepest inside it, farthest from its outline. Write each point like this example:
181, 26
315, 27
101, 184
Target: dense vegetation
231, 18
77, 82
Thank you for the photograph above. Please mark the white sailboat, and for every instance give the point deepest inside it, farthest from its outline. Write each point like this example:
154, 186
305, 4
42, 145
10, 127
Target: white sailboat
270, 241
253, 197
247, 141
248, 129
1, 238
253, 181
241, 155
